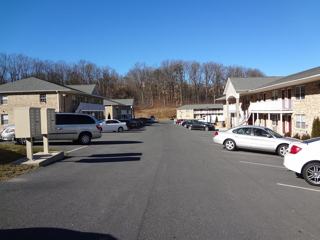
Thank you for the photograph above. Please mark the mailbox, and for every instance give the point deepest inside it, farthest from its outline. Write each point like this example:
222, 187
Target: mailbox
27, 122
48, 120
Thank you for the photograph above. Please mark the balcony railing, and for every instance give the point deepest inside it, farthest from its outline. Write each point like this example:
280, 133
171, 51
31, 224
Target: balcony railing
271, 105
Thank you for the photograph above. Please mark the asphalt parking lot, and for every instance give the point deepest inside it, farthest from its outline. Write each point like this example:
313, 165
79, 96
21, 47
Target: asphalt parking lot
161, 182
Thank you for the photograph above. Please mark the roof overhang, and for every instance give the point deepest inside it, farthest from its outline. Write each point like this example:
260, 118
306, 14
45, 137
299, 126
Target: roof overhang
287, 84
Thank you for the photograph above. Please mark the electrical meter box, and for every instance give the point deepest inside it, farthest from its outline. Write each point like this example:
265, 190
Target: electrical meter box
48, 120
27, 122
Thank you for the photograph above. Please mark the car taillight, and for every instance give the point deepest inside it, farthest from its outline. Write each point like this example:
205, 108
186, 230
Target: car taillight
215, 133
99, 127
295, 149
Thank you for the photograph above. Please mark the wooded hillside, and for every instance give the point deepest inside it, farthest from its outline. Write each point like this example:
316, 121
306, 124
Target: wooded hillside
173, 83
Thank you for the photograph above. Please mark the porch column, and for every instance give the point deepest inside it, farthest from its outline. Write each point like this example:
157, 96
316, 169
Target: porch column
253, 118
268, 122
237, 111
281, 124
227, 117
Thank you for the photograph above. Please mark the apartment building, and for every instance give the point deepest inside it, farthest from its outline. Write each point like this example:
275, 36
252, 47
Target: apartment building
119, 108
34, 92
207, 112
287, 105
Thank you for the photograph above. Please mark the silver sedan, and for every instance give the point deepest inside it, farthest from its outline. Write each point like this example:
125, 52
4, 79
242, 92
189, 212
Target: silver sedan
253, 137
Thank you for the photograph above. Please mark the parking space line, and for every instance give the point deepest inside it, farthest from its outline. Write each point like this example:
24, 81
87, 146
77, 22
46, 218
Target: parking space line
293, 186
262, 164
76, 149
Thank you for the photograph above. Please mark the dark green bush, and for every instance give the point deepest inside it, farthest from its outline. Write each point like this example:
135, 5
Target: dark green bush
315, 128
305, 136
297, 136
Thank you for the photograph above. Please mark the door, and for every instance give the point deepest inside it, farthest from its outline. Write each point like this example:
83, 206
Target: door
64, 127
243, 137
289, 99
109, 126
262, 140
290, 124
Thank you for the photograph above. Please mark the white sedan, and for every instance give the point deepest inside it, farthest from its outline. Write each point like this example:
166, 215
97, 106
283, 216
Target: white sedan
303, 158
113, 125
253, 137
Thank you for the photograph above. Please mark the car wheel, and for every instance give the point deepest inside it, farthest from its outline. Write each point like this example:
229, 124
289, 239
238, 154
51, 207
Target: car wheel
230, 145
120, 129
21, 141
299, 175
311, 173
282, 150
85, 138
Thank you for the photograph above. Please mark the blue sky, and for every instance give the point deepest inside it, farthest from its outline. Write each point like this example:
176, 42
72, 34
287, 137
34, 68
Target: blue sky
278, 37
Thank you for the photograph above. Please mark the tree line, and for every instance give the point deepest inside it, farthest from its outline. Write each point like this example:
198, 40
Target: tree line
173, 82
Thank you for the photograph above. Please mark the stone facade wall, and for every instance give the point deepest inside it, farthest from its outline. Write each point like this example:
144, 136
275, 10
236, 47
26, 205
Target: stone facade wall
310, 106
27, 100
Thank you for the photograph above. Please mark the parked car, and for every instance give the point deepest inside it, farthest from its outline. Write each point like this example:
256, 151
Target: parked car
303, 158
113, 125
197, 125
8, 133
132, 123
186, 123
80, 128
253, 137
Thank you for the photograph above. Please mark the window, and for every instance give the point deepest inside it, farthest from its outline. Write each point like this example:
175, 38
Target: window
264, 97
68, 119
300, 121
274, 95
242, 131
260, 133
300, 92
43, 98
4, 119
3, 99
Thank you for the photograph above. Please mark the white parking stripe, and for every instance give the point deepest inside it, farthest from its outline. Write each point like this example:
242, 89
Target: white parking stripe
76, 149
293, 186
262, 164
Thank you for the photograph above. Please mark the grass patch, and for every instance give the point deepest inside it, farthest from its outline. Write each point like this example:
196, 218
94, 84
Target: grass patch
159, 112
9, 153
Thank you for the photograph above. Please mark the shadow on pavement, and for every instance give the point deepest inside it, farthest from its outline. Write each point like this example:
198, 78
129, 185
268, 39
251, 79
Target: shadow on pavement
116, 155
106, 160
92, 143
114, 142
51, 234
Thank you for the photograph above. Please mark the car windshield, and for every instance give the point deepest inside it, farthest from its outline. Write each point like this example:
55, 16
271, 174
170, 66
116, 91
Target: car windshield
273, 133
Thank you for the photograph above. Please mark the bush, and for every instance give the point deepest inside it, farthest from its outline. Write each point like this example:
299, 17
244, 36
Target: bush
297, 136
305, 136
287, 134
315, 128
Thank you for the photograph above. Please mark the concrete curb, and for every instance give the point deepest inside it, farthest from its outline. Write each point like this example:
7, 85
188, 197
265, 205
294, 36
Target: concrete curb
42, 159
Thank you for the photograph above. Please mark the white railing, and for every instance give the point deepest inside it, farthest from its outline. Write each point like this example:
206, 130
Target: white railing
271, 105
